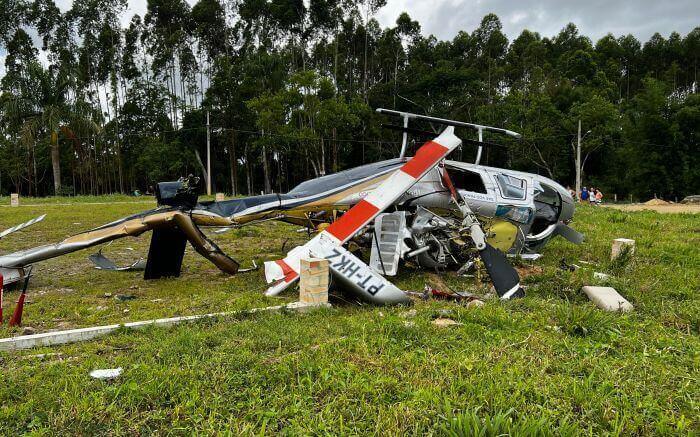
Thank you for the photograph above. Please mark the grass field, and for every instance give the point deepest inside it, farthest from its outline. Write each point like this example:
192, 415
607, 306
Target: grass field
549, 364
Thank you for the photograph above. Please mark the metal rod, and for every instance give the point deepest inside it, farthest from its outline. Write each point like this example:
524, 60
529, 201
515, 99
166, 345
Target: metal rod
479, 150
208, 157
405, 137
447, 122
417, 251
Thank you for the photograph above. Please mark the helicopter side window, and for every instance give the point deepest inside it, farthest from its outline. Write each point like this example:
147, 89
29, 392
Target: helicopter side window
467, 180
512, 187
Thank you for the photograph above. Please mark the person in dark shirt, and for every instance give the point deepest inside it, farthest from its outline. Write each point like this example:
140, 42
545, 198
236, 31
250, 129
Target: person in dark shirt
584, 194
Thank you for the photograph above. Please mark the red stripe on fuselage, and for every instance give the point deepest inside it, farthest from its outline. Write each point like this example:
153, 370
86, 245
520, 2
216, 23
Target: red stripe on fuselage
427, 156
347, 225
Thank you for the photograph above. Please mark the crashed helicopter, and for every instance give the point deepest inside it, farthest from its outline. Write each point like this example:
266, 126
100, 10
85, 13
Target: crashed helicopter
434, 212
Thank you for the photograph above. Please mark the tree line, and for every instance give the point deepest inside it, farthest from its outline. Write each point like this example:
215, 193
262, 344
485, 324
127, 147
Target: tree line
91, 106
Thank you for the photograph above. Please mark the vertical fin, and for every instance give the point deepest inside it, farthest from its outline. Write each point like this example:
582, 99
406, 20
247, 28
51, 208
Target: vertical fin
165, 253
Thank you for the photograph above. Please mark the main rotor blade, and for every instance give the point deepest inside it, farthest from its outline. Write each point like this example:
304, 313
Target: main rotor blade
20, 226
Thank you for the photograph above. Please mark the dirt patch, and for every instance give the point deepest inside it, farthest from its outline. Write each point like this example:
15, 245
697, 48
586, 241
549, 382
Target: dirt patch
526, 270
656, 202
668, 208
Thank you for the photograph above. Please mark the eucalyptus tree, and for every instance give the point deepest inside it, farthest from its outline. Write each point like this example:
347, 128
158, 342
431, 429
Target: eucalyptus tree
42, 109
168, 28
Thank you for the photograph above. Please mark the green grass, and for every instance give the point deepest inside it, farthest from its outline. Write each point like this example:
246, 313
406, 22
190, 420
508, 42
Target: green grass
549, 364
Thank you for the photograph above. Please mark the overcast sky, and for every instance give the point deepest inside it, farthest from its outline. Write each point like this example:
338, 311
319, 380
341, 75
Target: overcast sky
594, 18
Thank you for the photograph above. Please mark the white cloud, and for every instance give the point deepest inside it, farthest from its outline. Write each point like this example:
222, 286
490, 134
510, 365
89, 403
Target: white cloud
594, 18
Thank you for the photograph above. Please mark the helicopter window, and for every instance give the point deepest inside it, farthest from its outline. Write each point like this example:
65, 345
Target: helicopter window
467, 180
511, 187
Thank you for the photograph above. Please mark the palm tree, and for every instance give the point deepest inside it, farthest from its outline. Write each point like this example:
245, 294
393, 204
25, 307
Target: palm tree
43, 108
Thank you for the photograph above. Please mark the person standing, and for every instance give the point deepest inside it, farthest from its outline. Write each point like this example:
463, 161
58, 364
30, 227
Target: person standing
591, 196
598, 197
584, 194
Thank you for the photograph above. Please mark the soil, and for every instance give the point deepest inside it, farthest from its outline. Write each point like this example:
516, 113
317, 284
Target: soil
663, 208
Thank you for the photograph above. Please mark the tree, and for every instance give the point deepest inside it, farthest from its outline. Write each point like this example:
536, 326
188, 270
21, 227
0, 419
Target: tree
42, 109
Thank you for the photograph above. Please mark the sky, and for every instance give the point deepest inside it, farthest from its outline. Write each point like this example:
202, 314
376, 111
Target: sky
594, 18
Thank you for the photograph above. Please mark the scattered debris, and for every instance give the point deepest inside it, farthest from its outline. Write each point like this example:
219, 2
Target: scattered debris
587, 262
28, 330
107, 295
409, 323
124, 297
445, 313
607, 298
622, 246
476, 303
106, 373
454, 295
530, 256
568, 267
44, 356
409, 314
601, 276
443, 322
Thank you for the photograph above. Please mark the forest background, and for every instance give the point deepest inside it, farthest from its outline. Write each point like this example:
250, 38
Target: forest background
90, 106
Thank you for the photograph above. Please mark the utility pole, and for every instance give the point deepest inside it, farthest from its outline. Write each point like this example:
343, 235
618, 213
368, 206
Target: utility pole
209, 155
578, 161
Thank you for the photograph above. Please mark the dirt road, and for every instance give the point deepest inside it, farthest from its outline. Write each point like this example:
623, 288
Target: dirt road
671, 208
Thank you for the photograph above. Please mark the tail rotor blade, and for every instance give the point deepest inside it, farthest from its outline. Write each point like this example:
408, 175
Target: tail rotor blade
504, 277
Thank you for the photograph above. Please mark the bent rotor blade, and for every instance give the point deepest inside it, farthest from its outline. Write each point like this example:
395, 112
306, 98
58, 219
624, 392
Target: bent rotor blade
286, 271
504, 277
20, 226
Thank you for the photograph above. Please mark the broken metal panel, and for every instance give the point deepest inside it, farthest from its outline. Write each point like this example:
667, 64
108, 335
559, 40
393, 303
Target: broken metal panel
12, 275
101, 262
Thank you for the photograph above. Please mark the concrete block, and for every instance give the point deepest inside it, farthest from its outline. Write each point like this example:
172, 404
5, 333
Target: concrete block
607, 298
14, 199
314, 277
619, 245
220, 197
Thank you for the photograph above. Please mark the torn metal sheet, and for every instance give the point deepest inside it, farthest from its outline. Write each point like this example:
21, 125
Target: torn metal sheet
101, 262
